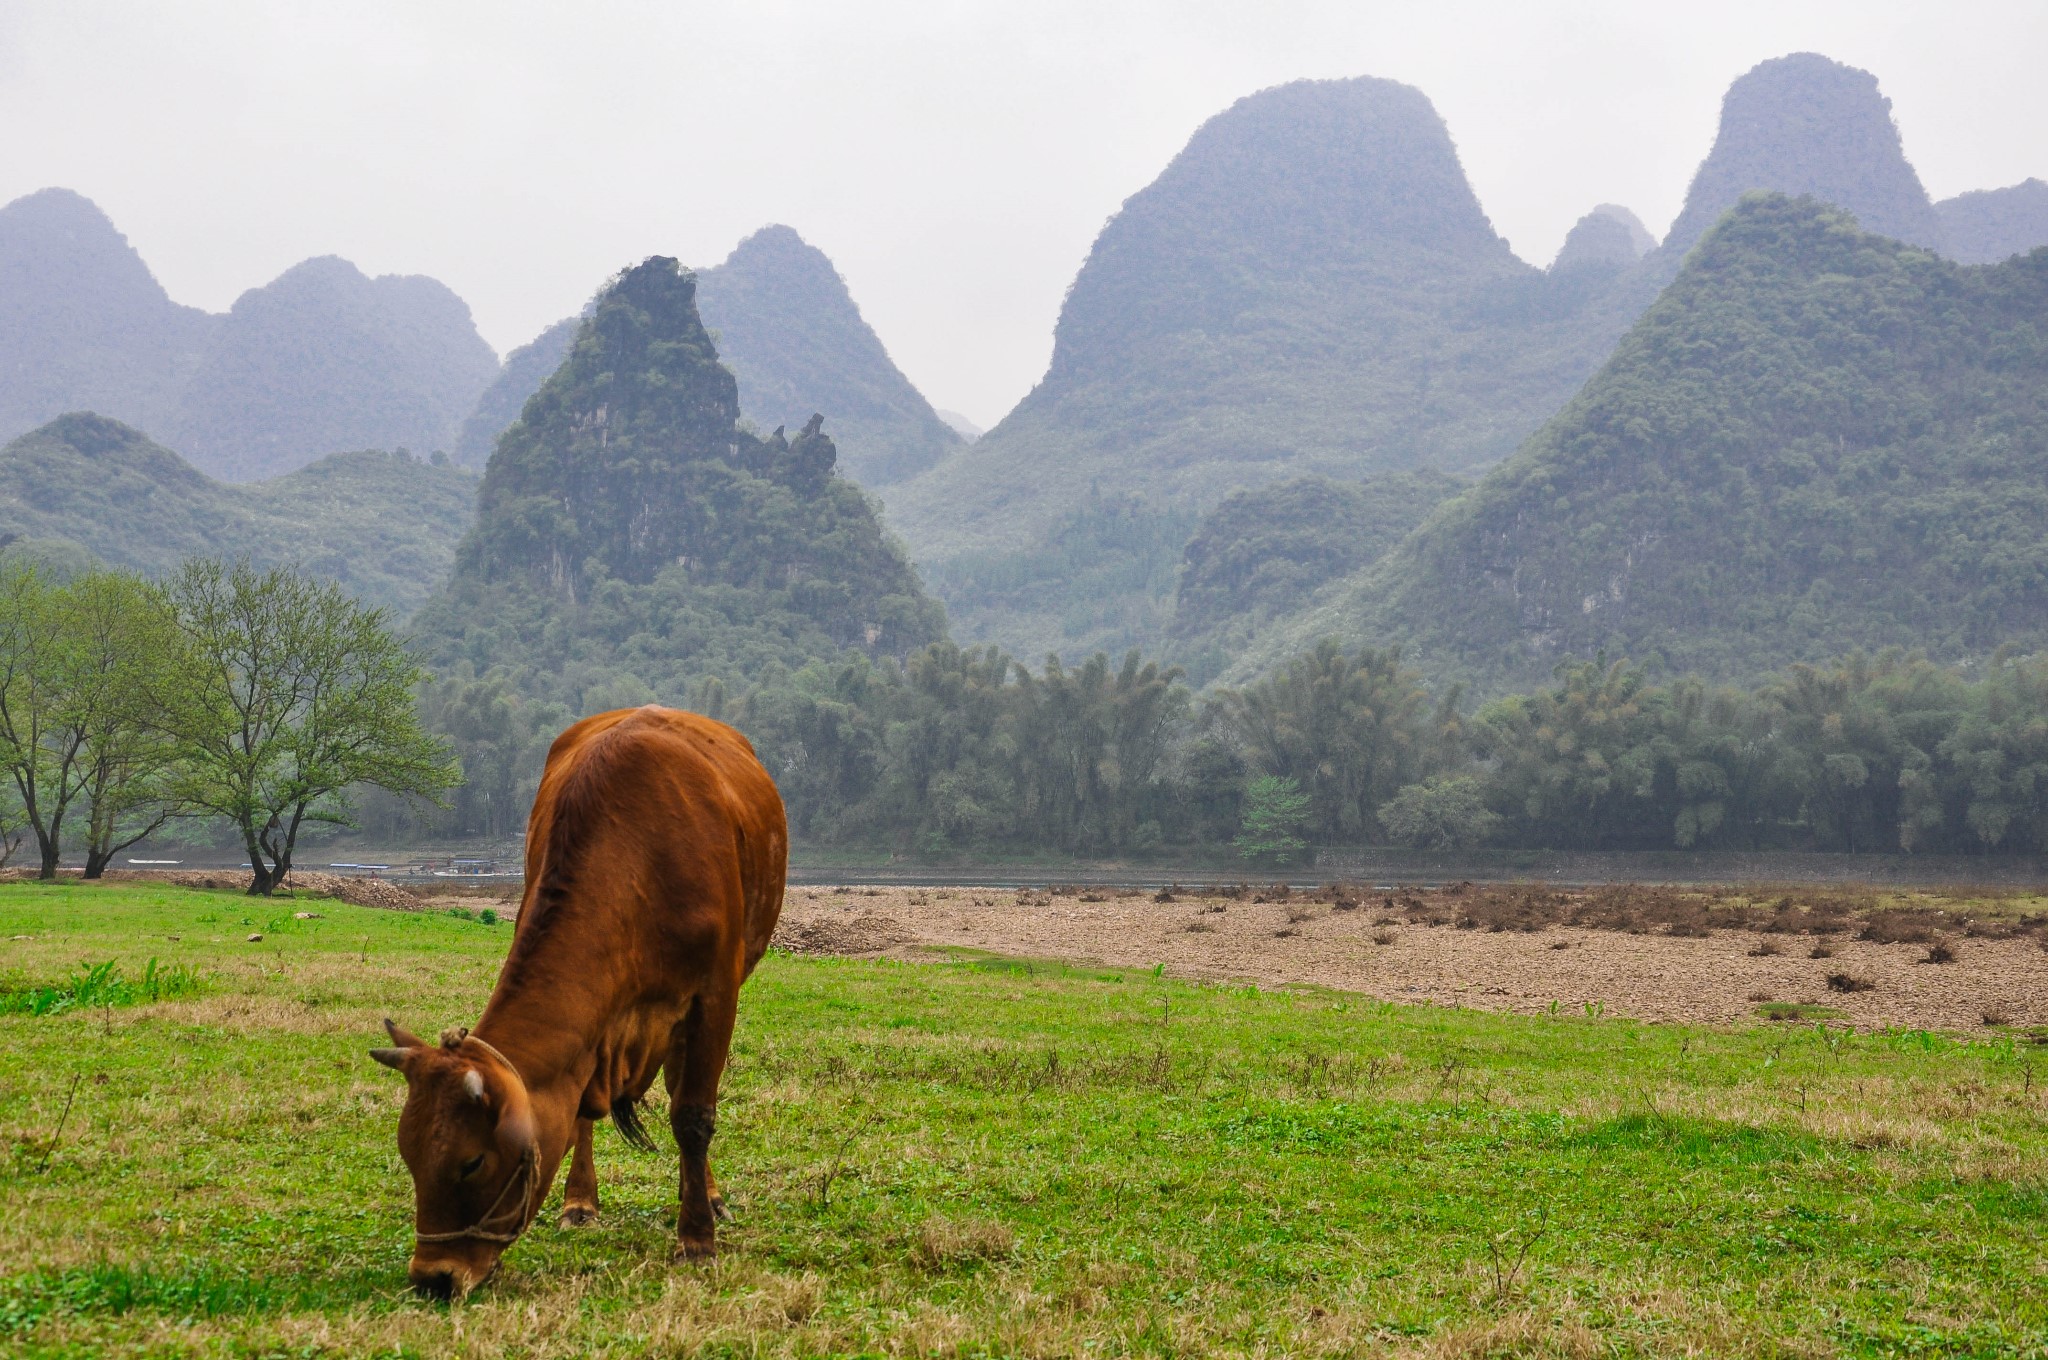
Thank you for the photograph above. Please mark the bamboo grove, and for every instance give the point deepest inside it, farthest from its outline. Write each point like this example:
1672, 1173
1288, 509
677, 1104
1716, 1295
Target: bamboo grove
966, 749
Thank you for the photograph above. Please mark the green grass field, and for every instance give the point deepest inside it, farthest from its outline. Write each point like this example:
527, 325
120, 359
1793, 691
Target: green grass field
984, 1157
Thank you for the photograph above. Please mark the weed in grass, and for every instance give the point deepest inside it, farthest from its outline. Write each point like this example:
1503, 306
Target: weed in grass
98, 986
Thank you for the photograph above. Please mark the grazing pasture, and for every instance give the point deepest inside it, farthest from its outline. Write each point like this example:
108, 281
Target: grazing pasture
988, 1155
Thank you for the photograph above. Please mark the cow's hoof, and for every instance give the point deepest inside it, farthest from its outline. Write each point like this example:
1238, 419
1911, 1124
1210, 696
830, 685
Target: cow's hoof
718, 1209
694, 1249
578, 1215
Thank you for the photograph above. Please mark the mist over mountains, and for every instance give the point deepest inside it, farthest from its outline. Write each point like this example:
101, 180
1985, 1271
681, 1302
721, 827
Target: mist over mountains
1279, 374
1311, 288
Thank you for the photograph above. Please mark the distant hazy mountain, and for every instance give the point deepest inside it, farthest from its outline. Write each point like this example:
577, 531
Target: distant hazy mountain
795, 340
1608, 238
1309, 288
524, 370
1804, 124
383, 526
1989, 225
320, 359
324, 358
83, 323
962, 426
1817, 439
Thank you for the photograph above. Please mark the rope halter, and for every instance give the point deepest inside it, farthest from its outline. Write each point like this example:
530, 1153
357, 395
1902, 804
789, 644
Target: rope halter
508, 1215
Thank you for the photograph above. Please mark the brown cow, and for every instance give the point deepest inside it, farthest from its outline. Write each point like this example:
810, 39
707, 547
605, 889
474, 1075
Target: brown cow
655, 857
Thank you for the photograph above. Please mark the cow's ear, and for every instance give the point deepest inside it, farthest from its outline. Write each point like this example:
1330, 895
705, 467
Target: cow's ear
400, 1035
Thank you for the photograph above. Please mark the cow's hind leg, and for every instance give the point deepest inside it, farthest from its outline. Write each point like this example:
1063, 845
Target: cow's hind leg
696, 1062
579, 1195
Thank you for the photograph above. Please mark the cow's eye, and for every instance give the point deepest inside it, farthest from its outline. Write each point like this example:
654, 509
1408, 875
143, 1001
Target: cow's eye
472, 1166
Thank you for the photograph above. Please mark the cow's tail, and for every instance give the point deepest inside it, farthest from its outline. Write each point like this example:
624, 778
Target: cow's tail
626, 1119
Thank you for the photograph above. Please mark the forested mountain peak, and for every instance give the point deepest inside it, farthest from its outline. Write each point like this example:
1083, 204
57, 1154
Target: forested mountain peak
1804, 124
792, 335
593, 470
1817, 439
325, 358
83, 322
628, 525
1989, 225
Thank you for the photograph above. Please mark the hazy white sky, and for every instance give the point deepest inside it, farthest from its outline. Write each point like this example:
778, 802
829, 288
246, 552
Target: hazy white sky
954, 159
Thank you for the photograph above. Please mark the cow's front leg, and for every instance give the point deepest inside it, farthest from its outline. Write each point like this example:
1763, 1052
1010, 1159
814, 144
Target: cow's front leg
579, 1195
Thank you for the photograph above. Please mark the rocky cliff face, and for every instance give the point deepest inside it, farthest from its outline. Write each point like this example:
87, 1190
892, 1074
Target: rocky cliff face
1990, 225
1803, 124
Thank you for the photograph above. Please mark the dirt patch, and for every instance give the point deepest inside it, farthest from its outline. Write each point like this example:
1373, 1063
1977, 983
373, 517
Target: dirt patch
1688, 955
865, 935
361, 892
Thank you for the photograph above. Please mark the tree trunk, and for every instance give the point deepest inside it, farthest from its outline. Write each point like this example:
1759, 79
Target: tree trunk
96, 862
48, 845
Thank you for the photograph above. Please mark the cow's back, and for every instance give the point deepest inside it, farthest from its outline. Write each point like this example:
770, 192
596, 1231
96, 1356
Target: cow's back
645, 813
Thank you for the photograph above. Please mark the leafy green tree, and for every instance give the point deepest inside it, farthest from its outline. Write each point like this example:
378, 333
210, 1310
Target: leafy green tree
1275, 811
285, 695
123, 638
73, 657
1351, 730
1440, 813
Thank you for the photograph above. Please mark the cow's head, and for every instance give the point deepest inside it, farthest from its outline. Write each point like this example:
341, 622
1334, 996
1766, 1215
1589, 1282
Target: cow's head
467, 1135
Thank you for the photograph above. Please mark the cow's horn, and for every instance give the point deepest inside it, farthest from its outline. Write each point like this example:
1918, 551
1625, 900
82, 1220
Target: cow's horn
390, 1057
401, 1036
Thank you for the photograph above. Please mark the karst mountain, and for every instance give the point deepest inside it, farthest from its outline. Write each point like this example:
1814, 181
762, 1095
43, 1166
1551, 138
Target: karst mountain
633, 536
1818, 439
1309, 288
793, 337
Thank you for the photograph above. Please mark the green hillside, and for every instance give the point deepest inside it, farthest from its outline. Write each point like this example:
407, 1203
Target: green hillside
632, 540
1262, 555
1818, 439
383, 526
